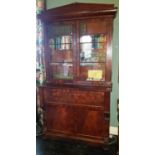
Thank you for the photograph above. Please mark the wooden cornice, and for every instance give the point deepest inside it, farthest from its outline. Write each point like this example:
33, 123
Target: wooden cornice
77, 10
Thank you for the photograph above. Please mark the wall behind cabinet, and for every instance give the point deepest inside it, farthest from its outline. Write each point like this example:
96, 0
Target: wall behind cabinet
115, 46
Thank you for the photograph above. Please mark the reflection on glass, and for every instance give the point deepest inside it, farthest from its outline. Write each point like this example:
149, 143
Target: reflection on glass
90, 55
93, 38
62, 71
59, 56
85, 38
93, 57
92, 48
85, 51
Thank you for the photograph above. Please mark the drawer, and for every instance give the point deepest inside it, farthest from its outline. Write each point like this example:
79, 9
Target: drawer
89, 97
74, 96
59, 95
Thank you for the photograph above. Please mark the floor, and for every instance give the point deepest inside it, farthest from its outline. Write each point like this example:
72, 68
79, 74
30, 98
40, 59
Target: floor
52, 147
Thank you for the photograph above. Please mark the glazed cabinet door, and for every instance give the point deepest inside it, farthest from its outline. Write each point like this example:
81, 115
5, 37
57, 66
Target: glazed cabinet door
60, 41
92, 50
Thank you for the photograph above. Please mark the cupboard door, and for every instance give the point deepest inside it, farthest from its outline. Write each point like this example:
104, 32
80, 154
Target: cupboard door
91, 124
59, 119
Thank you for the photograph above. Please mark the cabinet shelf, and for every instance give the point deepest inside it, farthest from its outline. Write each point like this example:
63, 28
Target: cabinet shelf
61, 50
96, 50
62, 63
60, 43
91, 62
92, 42
61, 47
62, 77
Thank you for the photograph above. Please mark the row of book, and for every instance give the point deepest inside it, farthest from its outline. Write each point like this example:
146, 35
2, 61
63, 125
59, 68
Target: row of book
93, 38
61, 42
98, 41
98, 38
92, 42
93, 45
61, 46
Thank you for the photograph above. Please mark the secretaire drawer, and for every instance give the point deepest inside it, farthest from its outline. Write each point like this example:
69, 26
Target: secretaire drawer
74, 96
89, 97
58, 95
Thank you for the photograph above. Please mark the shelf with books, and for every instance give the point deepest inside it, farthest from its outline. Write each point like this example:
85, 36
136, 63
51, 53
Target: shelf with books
96, 41
60, 42
92, 45
93, 38
61, 46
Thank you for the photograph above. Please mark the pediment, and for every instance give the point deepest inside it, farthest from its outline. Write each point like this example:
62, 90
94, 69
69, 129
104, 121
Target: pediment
76, 10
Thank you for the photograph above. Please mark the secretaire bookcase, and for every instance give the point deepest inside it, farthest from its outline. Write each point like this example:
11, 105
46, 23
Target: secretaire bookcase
78, 60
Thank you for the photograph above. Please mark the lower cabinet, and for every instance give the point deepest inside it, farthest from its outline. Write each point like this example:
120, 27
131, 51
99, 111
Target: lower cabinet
75, 114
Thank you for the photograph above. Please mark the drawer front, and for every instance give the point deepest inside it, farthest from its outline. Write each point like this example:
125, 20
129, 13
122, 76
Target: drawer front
59, 95
89, 97
74, 96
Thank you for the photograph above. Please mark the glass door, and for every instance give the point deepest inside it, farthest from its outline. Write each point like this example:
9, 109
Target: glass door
60, 44
92, 50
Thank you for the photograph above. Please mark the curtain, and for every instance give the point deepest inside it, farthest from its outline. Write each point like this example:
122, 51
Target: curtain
40, 67
40, 51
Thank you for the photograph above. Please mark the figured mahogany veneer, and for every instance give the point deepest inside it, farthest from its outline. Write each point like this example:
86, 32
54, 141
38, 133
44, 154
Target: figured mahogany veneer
73, 96
76, 107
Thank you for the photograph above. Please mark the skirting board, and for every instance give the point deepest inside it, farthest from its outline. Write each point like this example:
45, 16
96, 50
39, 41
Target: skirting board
113, 130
